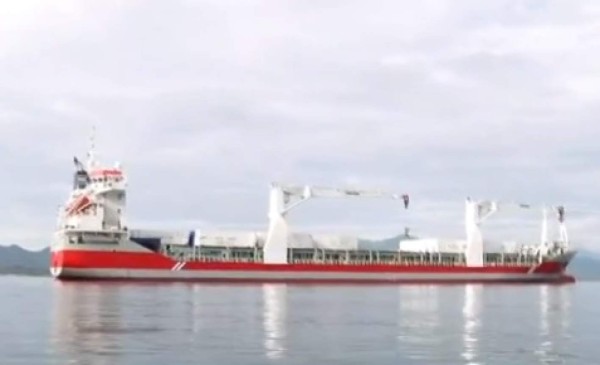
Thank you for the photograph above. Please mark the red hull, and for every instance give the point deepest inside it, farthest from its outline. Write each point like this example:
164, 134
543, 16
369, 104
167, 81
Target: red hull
86, 264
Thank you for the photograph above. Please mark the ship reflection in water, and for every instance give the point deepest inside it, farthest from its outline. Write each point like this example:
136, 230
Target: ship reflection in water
418, 320
91, 320
104, 323
554, 326
440, 323
274, 298
101, 323
471, 322
86, 320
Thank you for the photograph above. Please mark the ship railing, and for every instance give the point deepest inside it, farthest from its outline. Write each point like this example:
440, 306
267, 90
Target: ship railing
401, 259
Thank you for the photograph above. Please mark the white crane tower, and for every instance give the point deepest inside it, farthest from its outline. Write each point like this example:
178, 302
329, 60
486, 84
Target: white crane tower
283, 198
479, 211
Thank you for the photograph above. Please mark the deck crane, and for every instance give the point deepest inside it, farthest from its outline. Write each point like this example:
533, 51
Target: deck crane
283, 198
477, 212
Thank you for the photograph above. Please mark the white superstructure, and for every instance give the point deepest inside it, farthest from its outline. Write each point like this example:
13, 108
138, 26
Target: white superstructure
95, 208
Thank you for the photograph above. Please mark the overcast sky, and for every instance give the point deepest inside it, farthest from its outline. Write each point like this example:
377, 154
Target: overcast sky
206, 102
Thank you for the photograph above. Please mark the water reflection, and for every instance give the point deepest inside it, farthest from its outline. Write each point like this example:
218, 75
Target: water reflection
471, 322
274, 313
544, 307
564, 298
196, 309
554, 303
454, 324
84, 321
546, 342
418, 320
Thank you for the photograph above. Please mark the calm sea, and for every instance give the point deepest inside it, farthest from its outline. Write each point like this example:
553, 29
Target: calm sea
48, 322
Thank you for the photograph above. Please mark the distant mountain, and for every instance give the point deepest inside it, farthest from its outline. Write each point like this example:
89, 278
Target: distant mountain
17, 260
585, 265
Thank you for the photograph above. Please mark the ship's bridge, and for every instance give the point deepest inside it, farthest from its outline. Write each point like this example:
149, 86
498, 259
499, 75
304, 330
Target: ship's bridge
107, 176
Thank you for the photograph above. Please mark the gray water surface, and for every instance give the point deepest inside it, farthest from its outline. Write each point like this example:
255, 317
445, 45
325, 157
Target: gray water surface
49, 322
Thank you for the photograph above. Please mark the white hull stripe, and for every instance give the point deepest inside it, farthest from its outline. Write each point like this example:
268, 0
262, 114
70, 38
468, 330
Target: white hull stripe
178, 266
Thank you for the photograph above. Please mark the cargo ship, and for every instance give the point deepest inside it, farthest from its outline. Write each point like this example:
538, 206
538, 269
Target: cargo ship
93, 241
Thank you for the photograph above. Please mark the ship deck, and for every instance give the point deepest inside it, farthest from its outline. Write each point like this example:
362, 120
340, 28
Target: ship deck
345, 257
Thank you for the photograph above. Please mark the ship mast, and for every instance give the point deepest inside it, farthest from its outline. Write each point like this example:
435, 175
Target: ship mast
544, 233
91, 155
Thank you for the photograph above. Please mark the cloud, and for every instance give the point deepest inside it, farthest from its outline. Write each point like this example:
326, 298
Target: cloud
205, 103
